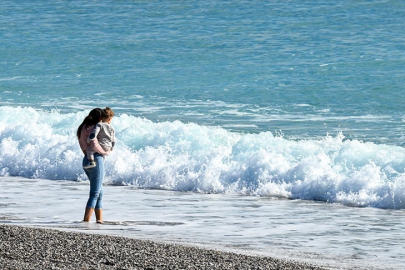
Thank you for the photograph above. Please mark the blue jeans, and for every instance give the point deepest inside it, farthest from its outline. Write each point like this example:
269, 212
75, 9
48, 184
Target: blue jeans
96, 177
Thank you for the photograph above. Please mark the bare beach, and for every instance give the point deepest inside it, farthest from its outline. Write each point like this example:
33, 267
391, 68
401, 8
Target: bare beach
36, 248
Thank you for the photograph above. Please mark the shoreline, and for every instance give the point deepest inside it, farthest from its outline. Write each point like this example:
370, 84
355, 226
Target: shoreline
39, 248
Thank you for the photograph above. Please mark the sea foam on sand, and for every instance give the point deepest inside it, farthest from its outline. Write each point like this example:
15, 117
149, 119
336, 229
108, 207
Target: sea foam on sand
326, 234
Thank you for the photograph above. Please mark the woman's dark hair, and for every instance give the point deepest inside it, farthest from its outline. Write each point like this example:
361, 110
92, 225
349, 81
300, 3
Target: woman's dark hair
90, 120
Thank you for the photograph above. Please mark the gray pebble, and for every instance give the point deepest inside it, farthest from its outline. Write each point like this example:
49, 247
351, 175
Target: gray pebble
34, 248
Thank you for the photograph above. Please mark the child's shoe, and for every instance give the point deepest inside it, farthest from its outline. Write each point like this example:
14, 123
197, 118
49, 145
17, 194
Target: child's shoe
90, 165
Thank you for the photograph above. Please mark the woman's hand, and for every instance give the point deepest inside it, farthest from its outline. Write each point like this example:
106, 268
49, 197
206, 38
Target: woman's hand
97, 147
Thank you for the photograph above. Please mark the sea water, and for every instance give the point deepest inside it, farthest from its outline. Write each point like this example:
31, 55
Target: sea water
331, 235
262, 101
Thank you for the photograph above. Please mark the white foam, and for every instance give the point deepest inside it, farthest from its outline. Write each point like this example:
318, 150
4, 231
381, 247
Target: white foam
191, 157
329, 234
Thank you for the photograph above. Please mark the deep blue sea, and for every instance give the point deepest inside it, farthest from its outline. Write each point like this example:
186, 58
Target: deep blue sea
288, 99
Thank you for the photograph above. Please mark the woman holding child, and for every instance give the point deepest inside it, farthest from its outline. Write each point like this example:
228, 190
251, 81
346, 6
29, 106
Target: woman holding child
96, 138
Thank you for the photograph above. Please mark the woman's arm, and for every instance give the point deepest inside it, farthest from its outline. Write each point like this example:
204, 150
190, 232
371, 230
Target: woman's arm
97, 147
92, 140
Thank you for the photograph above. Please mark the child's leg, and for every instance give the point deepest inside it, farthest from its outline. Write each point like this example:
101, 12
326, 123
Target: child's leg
90, 157
90, 154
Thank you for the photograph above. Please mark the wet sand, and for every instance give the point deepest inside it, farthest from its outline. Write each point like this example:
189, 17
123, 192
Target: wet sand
36, 248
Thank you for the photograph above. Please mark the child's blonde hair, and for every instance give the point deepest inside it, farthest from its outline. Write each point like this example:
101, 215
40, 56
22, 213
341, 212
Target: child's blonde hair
107, 113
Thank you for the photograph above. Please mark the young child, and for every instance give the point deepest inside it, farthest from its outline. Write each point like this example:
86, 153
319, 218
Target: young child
105, 135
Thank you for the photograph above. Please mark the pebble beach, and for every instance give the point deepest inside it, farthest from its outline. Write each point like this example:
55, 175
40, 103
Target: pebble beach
37, 248
250, 134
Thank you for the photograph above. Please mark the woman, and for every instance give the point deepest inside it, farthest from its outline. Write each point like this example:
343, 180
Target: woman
96, 174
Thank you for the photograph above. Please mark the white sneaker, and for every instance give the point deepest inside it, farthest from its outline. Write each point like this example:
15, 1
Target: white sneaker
90, 165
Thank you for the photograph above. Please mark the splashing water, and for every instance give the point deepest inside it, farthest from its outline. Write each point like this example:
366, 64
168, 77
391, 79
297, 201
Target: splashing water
191, 157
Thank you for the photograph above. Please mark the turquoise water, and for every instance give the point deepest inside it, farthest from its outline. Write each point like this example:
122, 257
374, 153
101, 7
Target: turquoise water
334, 236
294, 99
300, 68
223, 100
